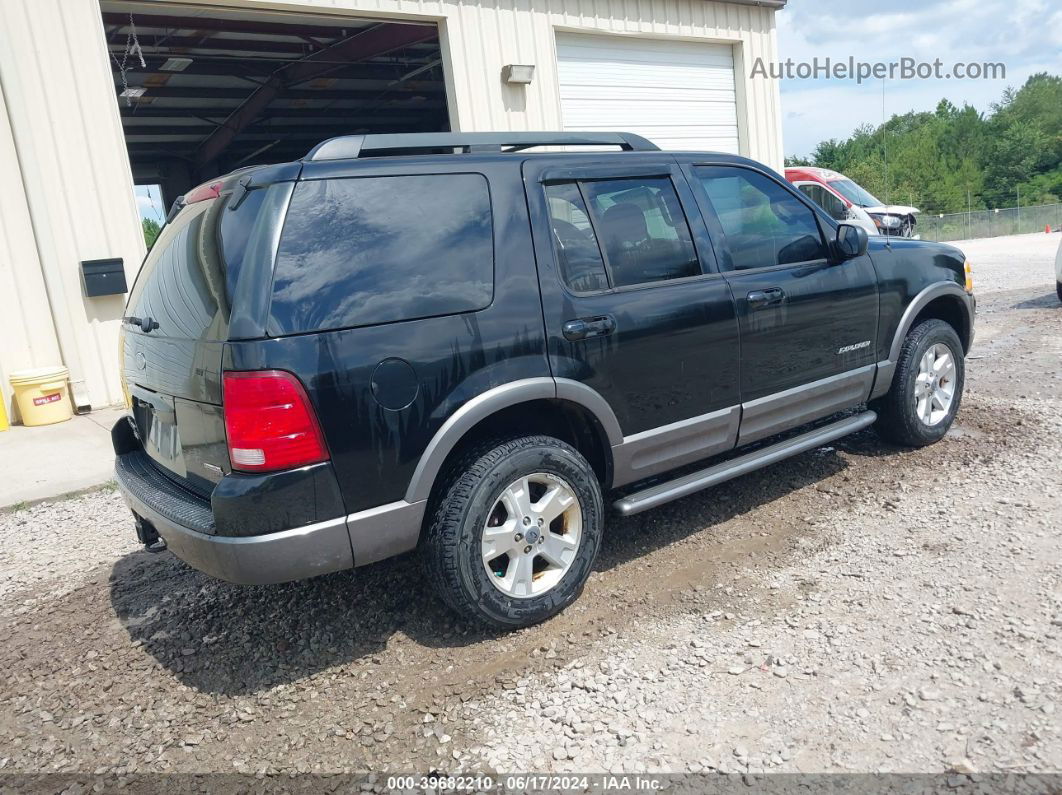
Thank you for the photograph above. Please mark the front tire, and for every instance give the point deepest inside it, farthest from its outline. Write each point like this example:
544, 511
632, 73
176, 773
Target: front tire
1058, 289
926, 390
515, 531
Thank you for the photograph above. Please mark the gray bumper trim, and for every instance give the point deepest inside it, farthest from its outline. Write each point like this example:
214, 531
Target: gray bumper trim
255, 560
384, 531
364, 537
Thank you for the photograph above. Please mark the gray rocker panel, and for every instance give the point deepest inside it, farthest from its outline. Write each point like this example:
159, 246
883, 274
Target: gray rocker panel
780, 412
660, 449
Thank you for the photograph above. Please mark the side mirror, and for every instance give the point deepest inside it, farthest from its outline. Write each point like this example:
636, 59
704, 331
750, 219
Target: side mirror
851, 241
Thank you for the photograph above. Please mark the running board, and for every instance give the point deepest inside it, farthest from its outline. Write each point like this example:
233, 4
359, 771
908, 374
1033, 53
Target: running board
735, 467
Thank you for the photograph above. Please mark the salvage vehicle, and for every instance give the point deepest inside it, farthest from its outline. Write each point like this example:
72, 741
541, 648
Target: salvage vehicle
839, 209
449, 343
824, 184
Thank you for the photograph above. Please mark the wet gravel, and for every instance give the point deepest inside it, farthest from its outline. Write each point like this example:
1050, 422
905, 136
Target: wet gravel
857, 608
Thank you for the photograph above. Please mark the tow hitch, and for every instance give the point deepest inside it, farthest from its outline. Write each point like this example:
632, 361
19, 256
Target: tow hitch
148, 535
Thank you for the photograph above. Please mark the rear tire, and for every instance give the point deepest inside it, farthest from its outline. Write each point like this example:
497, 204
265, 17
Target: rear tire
926, 390
486, 552
1058, 289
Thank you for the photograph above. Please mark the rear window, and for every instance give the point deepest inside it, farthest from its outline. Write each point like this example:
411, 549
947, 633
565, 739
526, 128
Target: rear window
190, 278
182, 284
366, 250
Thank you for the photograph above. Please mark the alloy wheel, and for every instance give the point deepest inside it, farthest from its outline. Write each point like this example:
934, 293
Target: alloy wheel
934, 389
531, 535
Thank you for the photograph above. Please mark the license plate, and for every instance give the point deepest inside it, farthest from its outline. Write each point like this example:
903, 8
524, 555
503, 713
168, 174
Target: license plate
156, 425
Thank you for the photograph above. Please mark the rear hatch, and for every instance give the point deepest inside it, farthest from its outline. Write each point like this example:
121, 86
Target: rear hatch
188, 299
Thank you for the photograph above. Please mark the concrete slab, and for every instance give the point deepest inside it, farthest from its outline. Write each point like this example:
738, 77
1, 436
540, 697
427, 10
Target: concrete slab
49, 460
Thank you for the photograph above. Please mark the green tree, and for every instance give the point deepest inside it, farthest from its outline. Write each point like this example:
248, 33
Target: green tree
954, 158
151, 231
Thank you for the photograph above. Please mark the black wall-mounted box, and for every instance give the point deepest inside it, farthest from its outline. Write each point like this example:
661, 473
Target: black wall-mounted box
103, 277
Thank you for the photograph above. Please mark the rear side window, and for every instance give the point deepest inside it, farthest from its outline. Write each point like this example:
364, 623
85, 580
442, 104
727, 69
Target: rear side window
368, 250
764, 224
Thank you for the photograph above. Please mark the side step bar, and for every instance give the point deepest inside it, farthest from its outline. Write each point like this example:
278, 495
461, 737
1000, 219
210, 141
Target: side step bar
735, 467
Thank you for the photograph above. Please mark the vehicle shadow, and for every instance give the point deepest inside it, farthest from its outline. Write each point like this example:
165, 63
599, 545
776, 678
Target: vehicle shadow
228, 639
867, 444
1045, 301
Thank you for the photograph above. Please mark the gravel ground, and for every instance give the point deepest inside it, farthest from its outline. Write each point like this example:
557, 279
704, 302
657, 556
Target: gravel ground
1013, 262
858, 608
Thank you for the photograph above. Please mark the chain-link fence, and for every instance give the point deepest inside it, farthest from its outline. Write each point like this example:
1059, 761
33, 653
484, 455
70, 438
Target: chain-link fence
989, 223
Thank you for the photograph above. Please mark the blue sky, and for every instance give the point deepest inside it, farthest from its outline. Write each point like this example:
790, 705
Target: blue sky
1026, 35
149, 203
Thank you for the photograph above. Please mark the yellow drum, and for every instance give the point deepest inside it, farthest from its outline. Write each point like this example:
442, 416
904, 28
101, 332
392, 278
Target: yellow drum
42, 395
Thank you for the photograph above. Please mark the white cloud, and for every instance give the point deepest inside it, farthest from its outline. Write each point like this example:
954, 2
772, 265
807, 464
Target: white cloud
1022, 34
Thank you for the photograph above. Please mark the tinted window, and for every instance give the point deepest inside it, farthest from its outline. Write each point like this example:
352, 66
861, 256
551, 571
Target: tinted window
182, 282
371, 250
643, 230
764, 223
573, 239
237, 226
826, 200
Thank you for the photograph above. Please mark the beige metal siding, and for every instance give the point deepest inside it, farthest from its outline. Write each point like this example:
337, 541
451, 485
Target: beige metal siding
27, 337
69, 150
63, 114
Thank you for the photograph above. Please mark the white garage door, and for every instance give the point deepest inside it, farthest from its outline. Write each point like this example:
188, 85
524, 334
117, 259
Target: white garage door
678, 94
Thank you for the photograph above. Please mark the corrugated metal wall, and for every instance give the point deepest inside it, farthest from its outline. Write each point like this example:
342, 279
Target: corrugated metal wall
65, 146
27, 336
64, 119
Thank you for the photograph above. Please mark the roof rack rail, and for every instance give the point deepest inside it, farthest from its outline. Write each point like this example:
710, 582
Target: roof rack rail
352, 146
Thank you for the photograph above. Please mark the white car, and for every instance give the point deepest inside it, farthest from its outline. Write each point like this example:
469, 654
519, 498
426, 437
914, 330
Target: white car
849, 201
1058, 271
893, 219
838, 208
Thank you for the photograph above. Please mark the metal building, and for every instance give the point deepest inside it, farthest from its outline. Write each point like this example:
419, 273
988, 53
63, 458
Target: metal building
97, 96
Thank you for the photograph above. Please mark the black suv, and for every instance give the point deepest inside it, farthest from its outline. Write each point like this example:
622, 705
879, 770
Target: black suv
447, 342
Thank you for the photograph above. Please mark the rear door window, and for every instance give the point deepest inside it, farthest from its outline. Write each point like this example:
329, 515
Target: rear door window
643, 229
361, 251
574, 241
634, 233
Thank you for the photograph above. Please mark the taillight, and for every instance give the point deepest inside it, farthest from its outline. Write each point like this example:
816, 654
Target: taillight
270, 423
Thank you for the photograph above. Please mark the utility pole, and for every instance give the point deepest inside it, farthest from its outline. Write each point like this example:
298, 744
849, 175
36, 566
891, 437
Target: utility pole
884, 140
1019, 211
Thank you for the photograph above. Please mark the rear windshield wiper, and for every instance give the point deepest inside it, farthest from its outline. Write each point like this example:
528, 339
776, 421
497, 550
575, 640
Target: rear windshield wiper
146, 324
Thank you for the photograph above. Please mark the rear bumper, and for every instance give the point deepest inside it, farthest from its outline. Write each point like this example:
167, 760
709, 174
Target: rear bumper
186, 524
248, 560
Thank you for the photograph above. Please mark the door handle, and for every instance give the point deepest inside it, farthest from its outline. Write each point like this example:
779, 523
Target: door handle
769, 297
583, 327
